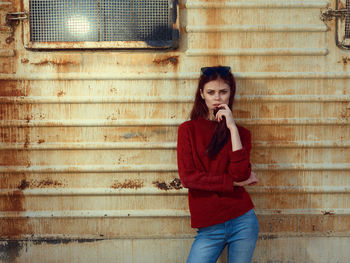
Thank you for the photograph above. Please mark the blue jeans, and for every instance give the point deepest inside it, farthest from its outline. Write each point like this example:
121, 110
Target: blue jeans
240, 234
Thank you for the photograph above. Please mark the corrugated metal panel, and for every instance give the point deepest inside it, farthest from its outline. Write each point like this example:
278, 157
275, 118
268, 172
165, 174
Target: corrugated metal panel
88, 138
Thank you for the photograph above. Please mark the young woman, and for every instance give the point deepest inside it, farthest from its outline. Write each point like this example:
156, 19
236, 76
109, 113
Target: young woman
214, 164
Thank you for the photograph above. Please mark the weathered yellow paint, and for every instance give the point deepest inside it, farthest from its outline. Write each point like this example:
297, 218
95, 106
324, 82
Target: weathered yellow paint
88, 138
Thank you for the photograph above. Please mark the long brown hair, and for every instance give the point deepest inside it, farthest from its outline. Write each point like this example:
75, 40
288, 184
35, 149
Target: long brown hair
200, 109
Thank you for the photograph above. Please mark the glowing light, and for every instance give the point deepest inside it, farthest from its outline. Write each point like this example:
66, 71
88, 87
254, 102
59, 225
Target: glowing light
78, 25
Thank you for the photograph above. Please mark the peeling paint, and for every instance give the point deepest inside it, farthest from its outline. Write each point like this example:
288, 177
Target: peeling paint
24, 184
28, 118
169, 60
128, 184
46, 183
328, 213
57, 241
344, 61
41, 141
132, 135
10, 250
27, 142
174, 184
24, 61
56, 62
61, 93
268, 237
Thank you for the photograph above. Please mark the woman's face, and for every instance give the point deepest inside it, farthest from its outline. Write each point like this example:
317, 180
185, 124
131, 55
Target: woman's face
214, 93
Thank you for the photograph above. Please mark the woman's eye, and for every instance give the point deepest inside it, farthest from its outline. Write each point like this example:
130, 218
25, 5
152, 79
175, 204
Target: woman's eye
224, 92
211, 92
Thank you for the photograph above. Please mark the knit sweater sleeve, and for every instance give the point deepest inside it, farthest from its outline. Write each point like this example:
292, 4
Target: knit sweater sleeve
239, 167
192, 177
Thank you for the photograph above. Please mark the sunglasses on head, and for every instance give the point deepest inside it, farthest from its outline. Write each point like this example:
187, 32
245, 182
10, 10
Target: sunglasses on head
221, 71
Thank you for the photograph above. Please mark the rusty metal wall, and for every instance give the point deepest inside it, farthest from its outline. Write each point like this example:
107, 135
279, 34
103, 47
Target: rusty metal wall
88, 138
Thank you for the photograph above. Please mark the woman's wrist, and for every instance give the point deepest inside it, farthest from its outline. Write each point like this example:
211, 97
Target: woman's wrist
235, 138
233, 128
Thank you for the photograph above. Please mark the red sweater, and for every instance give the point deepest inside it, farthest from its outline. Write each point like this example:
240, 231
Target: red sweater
212, 197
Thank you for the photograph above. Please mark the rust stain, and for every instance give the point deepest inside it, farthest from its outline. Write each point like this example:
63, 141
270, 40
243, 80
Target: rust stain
28, 118
9, 40
114, 90
128, 184
61, 93
112, 117
328, 213
169, 60
7, 65
27, 142
5, 137
344, 61
174, 184
46, 183
57, 62
3, 111
41, 141
162, 185
55, 241
14, 201
267, 237
303, 224
345, 112
10, 89
24, 184
341, 5
24, 60
10, 250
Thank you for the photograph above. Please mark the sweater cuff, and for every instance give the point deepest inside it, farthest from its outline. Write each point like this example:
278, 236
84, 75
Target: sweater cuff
228, 183
239, 155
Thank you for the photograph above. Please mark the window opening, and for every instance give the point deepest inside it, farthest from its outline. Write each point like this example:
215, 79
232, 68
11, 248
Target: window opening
151, 22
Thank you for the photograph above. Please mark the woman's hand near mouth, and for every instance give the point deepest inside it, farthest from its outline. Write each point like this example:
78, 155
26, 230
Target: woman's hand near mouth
225, 113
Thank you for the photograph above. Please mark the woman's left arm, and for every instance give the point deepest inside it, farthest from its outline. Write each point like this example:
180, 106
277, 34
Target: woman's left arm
239, 167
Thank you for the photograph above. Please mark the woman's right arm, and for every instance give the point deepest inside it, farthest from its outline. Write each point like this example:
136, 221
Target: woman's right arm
193, 178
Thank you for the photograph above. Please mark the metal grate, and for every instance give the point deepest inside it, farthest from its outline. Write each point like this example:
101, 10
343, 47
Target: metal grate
347, 19
100, 20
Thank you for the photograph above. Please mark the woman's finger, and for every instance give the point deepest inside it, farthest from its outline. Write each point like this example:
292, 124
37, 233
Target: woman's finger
224, 106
